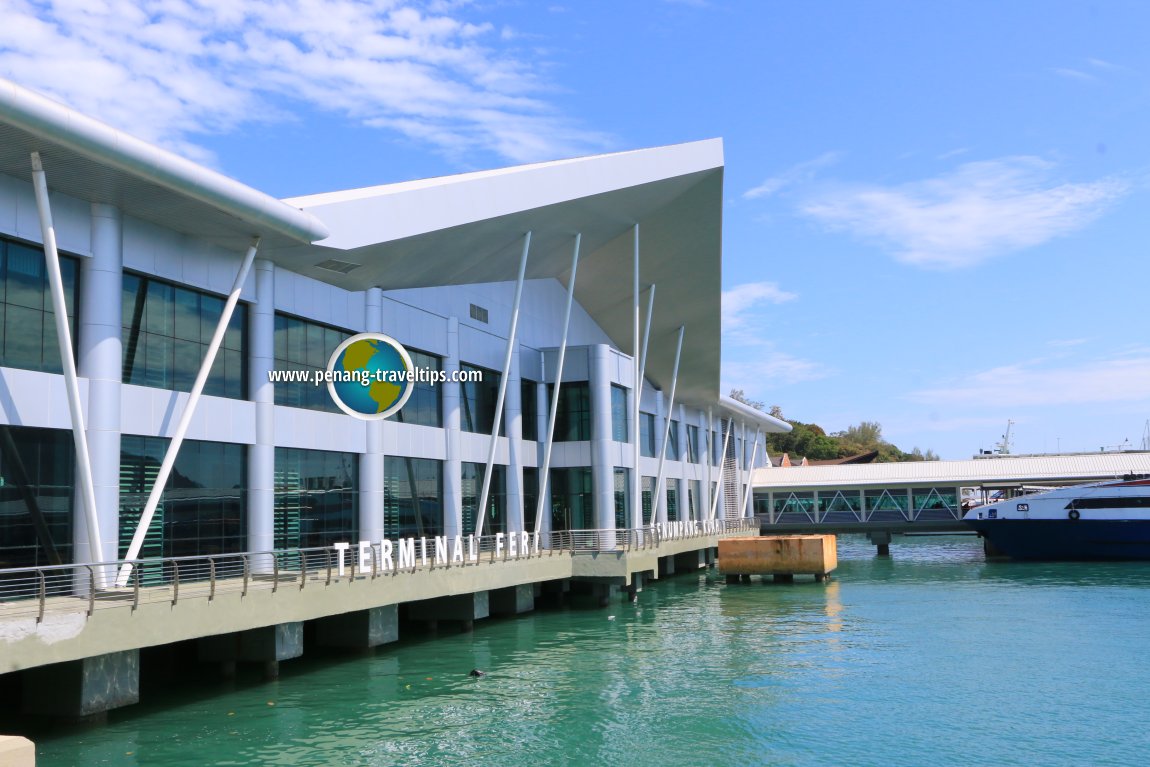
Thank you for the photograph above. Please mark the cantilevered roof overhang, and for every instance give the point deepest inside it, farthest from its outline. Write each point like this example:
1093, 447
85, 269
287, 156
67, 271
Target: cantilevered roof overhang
90, 160
469, 229
453, 230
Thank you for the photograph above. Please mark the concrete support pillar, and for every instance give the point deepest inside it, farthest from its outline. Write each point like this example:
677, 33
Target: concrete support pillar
362, 629
267, 645
262, 455
513, 415
83, 688
101, 361
602, 465
462, 608
666, 566
881, 539
453, 466
371, 462
512, 600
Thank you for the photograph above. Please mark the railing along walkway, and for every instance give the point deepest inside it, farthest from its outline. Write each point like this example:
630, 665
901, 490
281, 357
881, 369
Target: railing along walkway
40, 591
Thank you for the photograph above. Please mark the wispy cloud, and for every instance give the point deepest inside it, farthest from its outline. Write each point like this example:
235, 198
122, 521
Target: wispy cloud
1036, 383
981, 210
743, 302
751, 359
767, 368
172, 71
1074, 74
796, 174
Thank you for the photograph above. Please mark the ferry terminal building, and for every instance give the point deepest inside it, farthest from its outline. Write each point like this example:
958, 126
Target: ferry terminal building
164, 264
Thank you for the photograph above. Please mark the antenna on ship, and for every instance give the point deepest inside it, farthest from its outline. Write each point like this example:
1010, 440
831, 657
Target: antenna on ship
1146, 436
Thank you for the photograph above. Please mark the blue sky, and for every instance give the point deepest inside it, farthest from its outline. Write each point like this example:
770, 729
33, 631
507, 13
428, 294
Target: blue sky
936, 213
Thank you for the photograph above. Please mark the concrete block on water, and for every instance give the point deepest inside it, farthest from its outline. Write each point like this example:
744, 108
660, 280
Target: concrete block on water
814, 555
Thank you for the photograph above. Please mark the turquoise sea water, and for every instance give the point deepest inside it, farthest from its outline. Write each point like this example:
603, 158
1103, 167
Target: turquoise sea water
931, 657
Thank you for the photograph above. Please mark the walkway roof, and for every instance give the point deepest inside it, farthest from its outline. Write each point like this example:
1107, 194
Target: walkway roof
1027, 469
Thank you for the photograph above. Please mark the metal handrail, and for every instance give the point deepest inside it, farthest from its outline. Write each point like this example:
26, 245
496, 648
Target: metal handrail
38, 591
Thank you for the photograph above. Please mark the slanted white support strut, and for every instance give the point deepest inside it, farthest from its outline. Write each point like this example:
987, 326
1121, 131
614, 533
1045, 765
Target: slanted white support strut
186, 416
750, 476
481, 509
667, 430
636, 394
544, 472
722, 460
68, 362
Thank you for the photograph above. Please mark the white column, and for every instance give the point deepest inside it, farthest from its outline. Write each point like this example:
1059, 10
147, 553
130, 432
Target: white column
636, 396
602, 466
542, 510
453, 466
101, 362
262, 455
371, 461
514, 419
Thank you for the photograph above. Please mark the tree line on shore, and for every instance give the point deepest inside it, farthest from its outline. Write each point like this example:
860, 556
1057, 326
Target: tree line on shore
811, 441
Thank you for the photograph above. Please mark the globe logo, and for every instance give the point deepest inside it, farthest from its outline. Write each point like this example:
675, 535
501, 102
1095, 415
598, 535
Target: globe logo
370, 376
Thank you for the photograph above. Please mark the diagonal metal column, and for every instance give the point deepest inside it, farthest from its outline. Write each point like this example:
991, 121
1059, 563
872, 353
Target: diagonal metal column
545, 470
186, 416
68, 360
722, 460
750, 475
666, 430
636, 394
481, 509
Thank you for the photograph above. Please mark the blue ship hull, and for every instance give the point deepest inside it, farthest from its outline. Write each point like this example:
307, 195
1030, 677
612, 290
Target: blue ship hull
1067, 540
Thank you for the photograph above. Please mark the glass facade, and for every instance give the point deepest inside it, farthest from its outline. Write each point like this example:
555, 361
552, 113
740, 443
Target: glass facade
572, 499
673, 442
618, 413
692, 443
166, 333
647, 434
423, 406
530, 497
412, 497
316, 498
36, 481
887, 505
573, 419
648, 490
27, 321
672, 500
304, 345
477, 404
203, 510
529, 407
839, 506
622, 487
496, 520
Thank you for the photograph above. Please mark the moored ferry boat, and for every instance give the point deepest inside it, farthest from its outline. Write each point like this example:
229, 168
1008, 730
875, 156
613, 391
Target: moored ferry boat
1098, 521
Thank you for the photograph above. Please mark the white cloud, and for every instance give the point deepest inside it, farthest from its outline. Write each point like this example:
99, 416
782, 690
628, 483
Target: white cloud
1074, 74
742, 302
758, 370
981, 210
796, 174
1033, 384
170, 71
